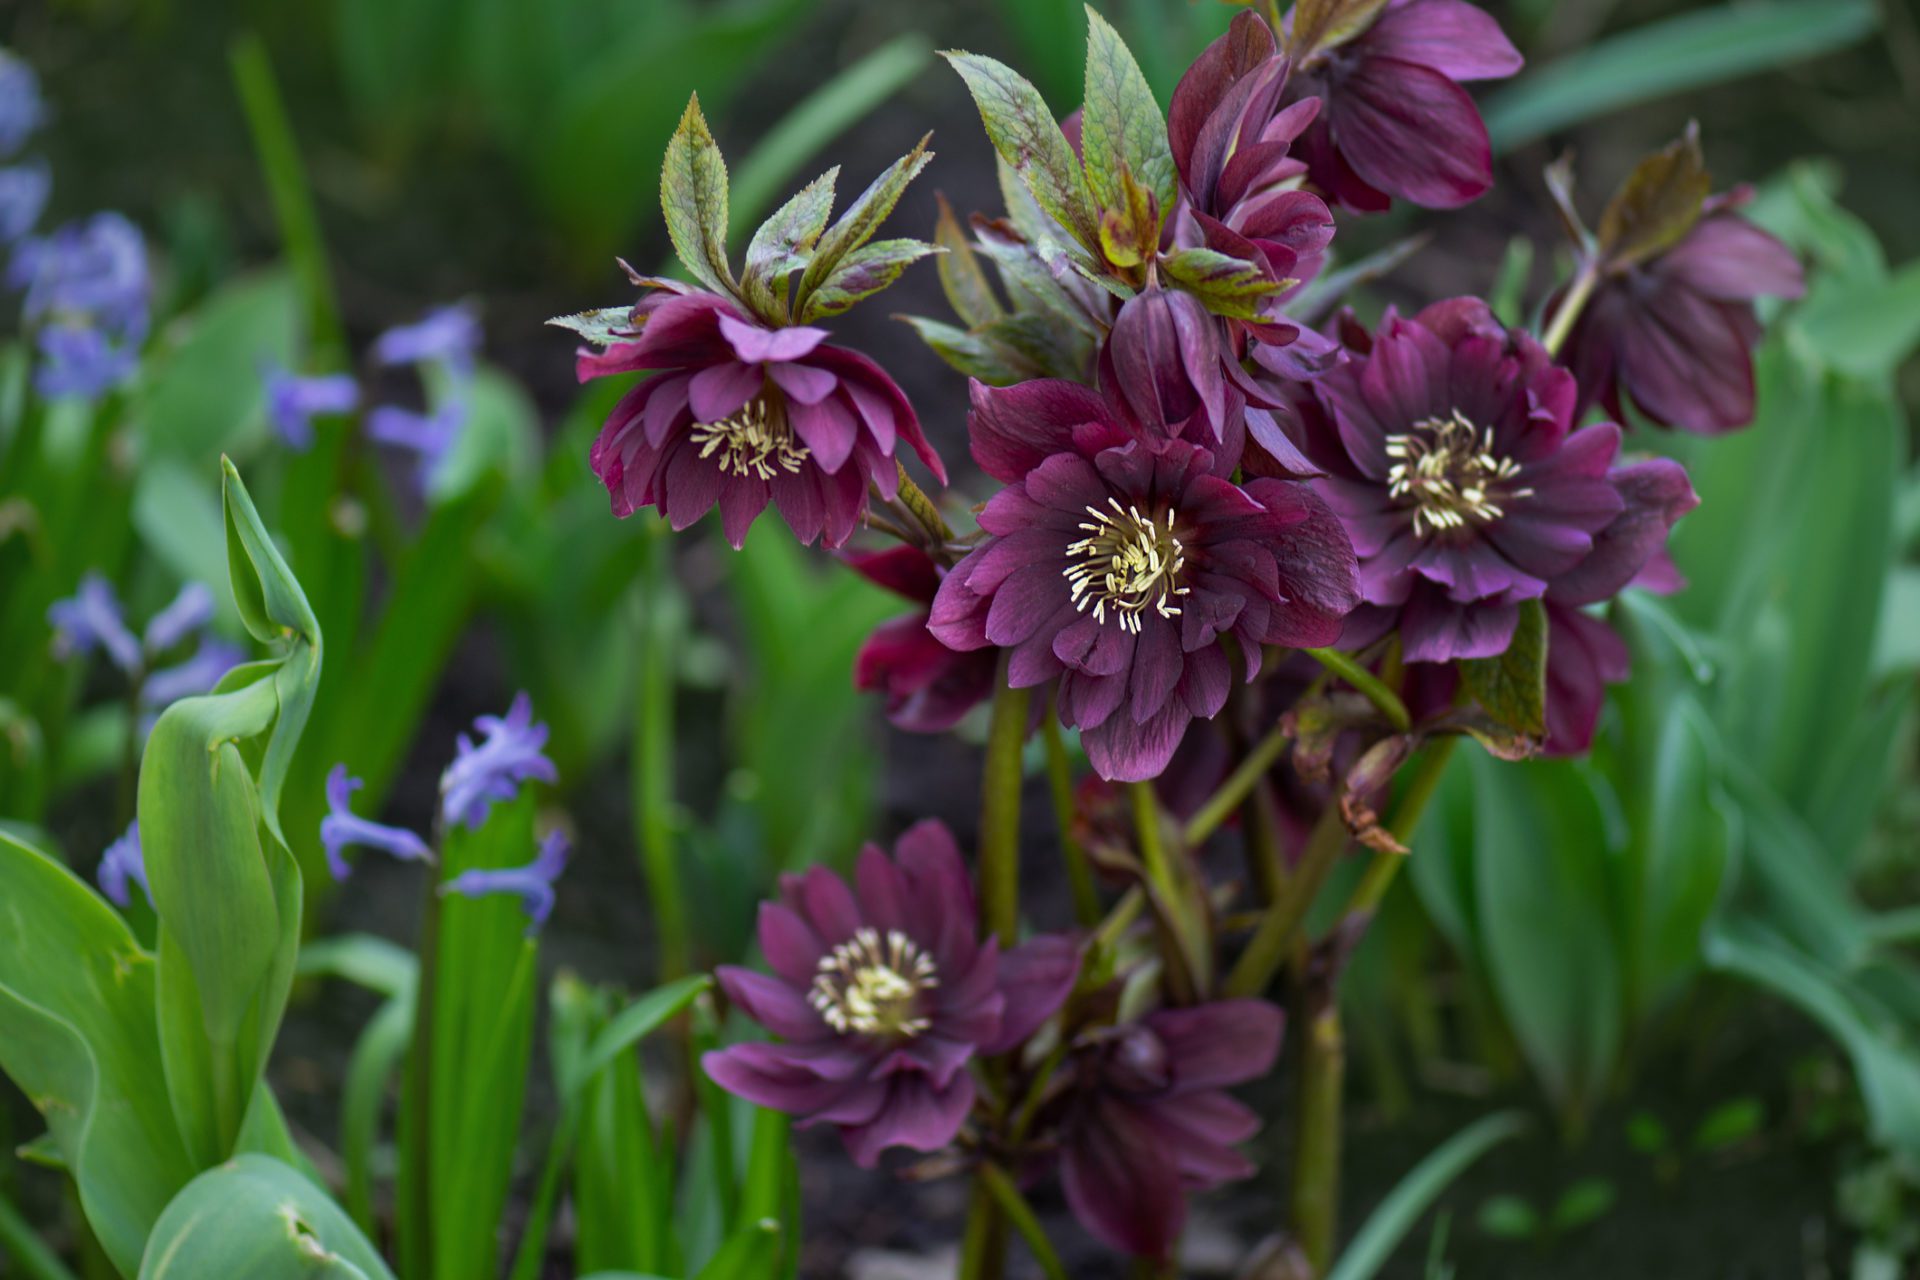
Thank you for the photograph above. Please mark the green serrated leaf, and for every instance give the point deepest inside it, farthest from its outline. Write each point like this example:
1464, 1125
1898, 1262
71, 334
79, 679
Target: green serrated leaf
961, 275
1028, 138
1122, 129
1657, 204
857, 225
784, 243
1513, 686
972, 354
1228, 286
693, 197
861, 274
602, 326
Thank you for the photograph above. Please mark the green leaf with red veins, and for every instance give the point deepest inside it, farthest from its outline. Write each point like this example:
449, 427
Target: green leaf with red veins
1320, 25
861, 274
602, 326
693, 196
1024, 132
1657, 205
961, 275
856, 226
1226, 286
1513, 687
1122, 130
784, 243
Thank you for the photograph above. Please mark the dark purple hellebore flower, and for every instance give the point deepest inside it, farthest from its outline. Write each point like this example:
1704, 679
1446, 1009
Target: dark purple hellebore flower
881, 995
1450, 456
929, 687
1147, 1118
1393, 119
1120, 566
1675, 333
740, 414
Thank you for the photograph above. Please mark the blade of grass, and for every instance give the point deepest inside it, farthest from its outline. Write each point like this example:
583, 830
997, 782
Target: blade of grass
24, 1249
1661, 58
1374, 1243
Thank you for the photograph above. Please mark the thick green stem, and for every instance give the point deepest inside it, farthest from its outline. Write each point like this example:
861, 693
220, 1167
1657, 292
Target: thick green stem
1086, 896
653, 739
983, 1251
1179, 914
416, 1112
1570, 308
1316, 1154
1000, 814
1221, 804
1367, 683
1273, 941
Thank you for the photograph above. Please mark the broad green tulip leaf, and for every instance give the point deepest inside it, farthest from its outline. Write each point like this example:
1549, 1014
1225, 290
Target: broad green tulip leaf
77, 1036
205, 393
261, 1219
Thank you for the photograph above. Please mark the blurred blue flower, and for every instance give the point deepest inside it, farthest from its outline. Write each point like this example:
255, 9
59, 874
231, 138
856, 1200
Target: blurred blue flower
187, 613
193, 677
23, 197
342, 827
91, 619
82, 362
447, 335
429, 436
533, 883
123, 865
293, 402
96, 269
508, 754
22, 110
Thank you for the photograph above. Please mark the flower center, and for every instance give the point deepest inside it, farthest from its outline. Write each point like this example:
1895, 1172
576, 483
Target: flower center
1447, 466
751, 443
1129, 562
871, 985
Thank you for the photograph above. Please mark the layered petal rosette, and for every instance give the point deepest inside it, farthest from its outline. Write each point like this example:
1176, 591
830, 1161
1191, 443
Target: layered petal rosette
1450, 454
1393, 119
740, 414
1147, 1119
1675, 333
882, 992
1121, 567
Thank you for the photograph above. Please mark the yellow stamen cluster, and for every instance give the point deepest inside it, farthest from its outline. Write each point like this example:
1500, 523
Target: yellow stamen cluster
871, 985
1447, 466
751, 443
1129, 562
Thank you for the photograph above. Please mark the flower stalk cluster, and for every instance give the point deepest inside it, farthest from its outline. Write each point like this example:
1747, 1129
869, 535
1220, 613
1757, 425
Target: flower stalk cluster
1257, 566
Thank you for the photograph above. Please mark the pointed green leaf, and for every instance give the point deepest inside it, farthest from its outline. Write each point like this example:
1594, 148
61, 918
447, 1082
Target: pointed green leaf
77, 1036
1228, 286
693, 196
856, 226
784, 243
258, 1218
1122, 130
1028, 138
973, 354
961, 275
1513, 686
602, 326
861, 274
1657, 204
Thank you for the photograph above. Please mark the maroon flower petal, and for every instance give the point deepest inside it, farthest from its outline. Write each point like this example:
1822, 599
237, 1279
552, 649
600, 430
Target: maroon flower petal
1122, 1182
1224, 1043
1584, 656
915, 1115
1035, 978
1451, 36
1411, 132
778, 1006
1656, 493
